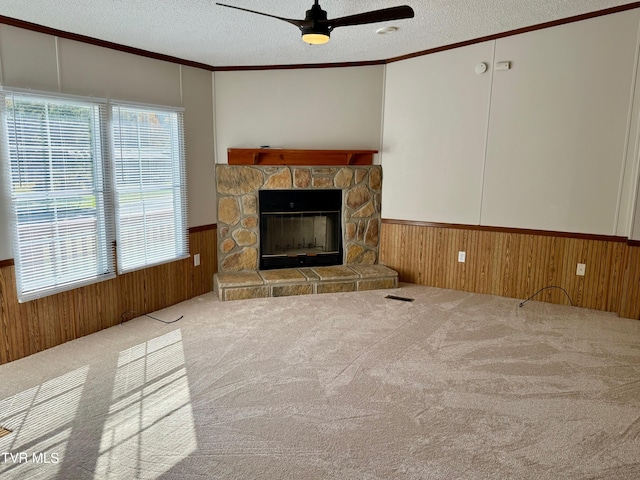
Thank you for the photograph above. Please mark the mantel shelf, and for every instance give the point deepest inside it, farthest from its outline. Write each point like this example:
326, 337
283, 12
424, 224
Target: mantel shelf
282, 156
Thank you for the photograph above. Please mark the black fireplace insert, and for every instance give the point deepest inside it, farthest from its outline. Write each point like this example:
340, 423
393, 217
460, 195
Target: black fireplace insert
300, 228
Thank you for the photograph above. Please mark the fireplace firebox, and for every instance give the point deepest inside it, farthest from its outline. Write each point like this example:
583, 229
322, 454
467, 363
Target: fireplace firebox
300, 228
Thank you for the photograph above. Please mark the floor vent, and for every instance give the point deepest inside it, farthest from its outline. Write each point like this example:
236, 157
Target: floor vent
403, 299
4, 432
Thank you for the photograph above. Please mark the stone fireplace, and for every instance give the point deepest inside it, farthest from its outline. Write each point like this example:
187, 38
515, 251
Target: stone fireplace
239, 190
255, 262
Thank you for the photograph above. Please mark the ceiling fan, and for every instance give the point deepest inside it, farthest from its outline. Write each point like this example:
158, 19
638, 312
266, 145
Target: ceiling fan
316, 27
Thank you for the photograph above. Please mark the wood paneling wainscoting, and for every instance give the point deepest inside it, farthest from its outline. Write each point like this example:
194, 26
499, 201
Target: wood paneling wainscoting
516, 263
630, 301
30, 327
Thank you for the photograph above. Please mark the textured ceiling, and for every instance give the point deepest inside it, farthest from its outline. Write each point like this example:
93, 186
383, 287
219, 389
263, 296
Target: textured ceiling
201, 31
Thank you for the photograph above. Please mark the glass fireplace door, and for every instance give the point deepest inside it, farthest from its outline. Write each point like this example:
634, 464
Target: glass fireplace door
300, 228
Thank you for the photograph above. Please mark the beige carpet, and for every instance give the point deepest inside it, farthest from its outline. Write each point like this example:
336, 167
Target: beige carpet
340, 386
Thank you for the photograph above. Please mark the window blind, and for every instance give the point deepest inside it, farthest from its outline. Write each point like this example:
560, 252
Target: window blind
149, 185
55, 158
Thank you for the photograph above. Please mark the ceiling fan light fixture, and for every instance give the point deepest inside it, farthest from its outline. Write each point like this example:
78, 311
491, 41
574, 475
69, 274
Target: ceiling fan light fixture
315, 30
315, 38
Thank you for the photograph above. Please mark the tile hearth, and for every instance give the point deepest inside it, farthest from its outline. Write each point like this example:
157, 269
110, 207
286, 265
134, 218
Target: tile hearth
303, 281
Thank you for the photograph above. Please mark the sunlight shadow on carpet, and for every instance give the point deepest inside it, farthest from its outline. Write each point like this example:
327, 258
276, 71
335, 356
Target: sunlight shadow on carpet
150, 423
41, 419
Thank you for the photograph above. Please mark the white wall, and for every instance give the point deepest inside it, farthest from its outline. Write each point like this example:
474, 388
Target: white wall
556, 140
46, 63
631, 185
197, 100
559, 120
635, 231
332, 108
435, 123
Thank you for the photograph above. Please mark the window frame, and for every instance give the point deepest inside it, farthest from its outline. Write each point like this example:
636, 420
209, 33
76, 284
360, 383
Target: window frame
103, 173
178, 167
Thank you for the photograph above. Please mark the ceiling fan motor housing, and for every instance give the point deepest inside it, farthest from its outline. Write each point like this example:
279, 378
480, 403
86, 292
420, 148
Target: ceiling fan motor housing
316, 21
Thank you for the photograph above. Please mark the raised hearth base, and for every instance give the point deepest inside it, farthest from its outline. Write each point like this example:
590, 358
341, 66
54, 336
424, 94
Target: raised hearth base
303, 281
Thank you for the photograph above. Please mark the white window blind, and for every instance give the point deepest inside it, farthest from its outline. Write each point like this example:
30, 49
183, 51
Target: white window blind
150, 186
55, 160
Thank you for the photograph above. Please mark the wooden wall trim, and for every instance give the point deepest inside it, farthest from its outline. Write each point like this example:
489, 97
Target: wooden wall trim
181, 61
7, 263
203, 228
518, 31
14, 22
298, 66
521, 231
516, 265
30, 327
633, 243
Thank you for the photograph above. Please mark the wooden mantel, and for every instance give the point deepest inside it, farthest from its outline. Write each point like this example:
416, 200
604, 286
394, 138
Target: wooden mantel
282, 156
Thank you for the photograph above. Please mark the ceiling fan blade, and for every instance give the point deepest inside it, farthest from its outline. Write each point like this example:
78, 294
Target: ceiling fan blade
297, 23
384, 15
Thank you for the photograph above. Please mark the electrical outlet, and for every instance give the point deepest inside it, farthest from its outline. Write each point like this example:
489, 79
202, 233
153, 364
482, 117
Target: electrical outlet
581, 269
196, 260
462, 256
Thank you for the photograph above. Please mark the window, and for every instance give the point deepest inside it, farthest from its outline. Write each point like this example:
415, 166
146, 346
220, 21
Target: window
149, 184
76, 185
55, 154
